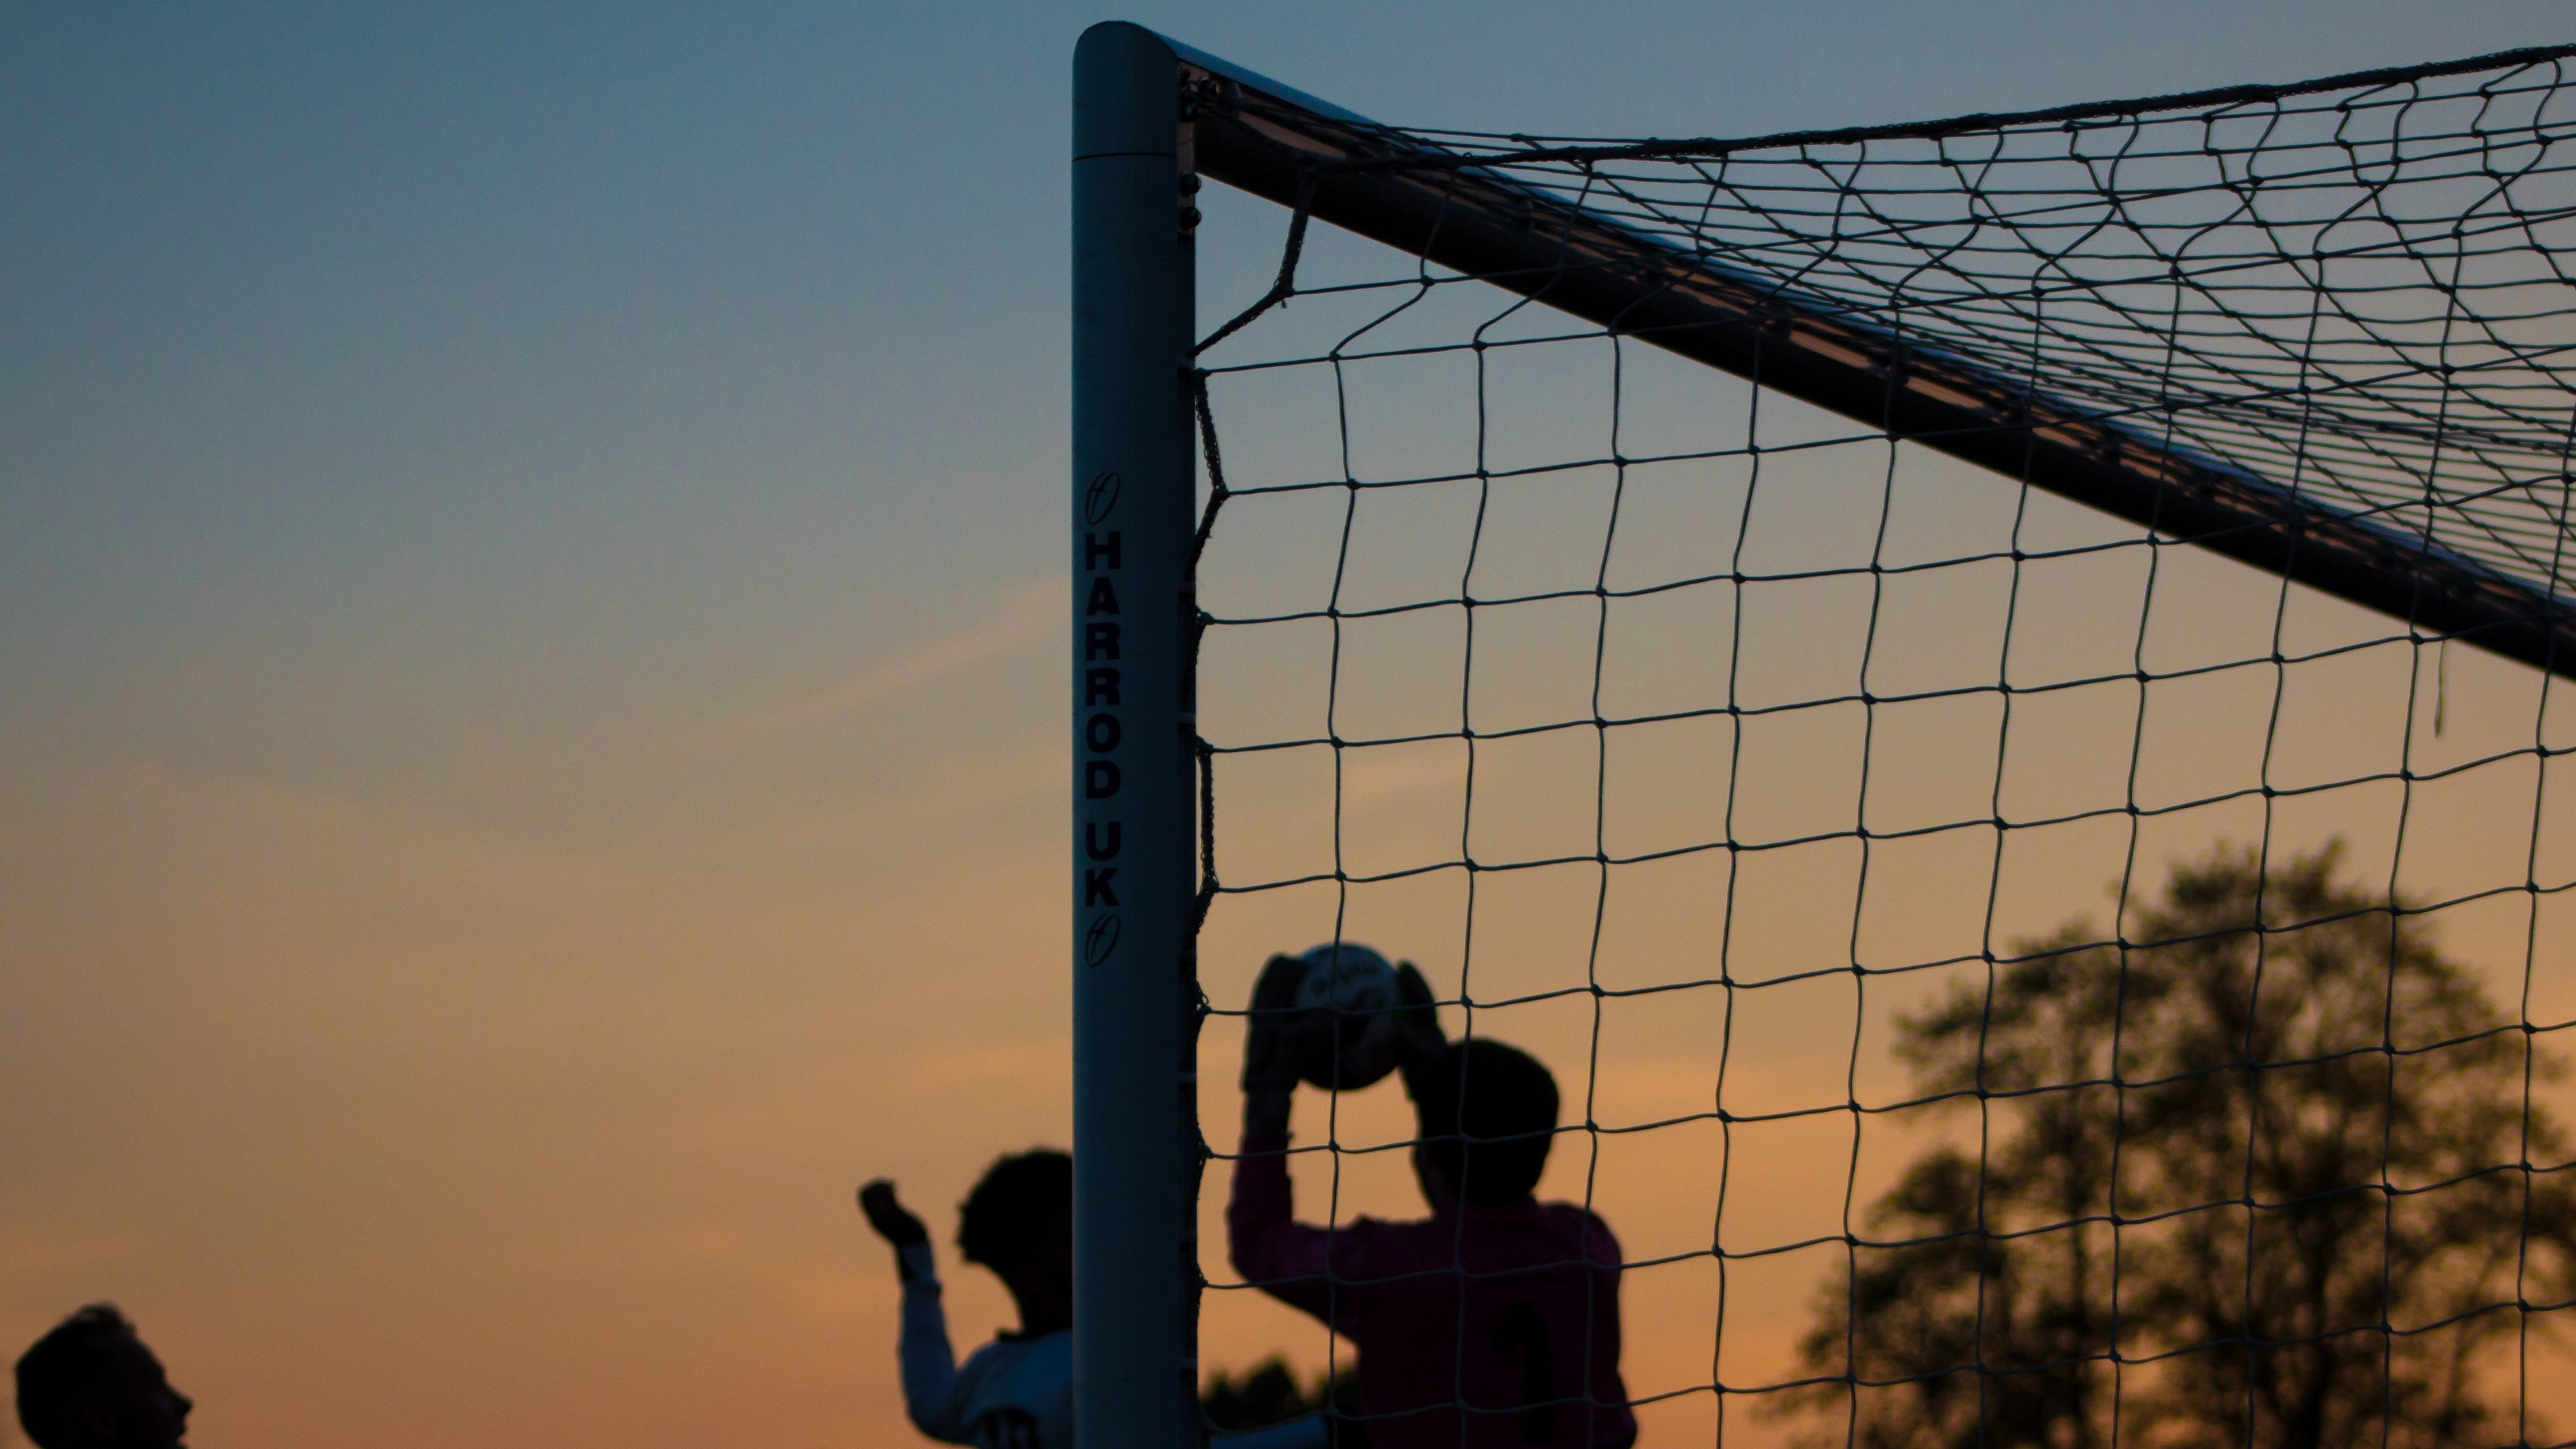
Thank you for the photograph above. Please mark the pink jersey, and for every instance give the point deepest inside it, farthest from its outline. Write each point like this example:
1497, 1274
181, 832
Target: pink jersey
1539, 1324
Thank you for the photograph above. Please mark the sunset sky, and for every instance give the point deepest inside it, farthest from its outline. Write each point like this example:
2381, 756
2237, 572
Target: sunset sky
531, 708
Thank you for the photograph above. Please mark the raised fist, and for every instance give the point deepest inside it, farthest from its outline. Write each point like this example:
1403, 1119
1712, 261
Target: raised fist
889, 1217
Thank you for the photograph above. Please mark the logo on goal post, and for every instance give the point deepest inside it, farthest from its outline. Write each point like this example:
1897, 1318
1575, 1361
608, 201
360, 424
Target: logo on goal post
1103, 835
1101, 939
1101, 498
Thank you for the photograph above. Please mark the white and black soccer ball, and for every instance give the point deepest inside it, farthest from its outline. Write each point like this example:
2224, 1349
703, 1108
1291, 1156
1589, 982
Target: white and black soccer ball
1344, 1029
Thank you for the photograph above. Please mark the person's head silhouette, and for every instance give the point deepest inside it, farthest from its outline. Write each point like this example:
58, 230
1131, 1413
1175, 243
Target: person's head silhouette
1019, 1222
1488, 1115
91, 1384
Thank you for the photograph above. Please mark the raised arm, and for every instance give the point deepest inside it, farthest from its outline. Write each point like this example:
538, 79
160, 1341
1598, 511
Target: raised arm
930, 1387
1422, 1046
1268, 1246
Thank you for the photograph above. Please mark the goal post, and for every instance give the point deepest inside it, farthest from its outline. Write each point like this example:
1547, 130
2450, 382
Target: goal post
1134, 878
1908, 667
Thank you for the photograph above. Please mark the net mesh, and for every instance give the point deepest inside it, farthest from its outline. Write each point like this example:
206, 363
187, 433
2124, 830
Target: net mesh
2014, 976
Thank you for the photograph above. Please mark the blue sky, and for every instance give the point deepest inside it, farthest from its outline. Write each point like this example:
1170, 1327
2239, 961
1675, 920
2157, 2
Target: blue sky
545, 333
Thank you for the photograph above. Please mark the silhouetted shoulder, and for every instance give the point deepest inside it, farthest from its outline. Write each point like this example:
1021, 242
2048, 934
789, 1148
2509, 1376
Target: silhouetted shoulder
1581, 1225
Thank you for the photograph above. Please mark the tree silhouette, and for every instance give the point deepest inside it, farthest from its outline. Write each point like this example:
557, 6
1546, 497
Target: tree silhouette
1268, 1393
2269, 1175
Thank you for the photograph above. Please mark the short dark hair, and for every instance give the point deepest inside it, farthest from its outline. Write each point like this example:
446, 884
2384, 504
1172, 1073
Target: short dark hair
1021, 1196
72, 1361
1488, 1114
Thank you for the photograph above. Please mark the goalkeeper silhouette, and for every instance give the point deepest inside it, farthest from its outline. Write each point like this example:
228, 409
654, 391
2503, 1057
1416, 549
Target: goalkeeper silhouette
1494, 1321
1017, 1391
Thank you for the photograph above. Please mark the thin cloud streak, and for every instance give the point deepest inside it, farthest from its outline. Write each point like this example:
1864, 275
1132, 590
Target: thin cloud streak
949, 791
1028, 614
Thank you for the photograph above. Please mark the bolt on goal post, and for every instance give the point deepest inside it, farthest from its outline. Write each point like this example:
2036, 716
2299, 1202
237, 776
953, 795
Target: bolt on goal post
2415, 466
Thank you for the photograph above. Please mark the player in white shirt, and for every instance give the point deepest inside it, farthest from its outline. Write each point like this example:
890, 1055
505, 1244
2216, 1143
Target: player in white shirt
1017, 1391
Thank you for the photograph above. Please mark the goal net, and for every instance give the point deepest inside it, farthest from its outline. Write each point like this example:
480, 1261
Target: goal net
1982, 695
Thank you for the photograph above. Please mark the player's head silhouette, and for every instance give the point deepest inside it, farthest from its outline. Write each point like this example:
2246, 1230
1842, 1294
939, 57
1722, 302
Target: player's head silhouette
91, 1384
1019, 1222
1488, 1116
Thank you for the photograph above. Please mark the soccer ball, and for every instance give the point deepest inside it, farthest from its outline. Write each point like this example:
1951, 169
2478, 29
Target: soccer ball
1343, 1031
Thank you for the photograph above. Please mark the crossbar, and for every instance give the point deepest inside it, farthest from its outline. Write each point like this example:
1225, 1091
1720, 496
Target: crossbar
1273, 142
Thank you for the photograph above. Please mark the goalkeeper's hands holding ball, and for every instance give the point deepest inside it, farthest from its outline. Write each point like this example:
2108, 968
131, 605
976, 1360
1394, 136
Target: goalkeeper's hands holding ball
1270, 1066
